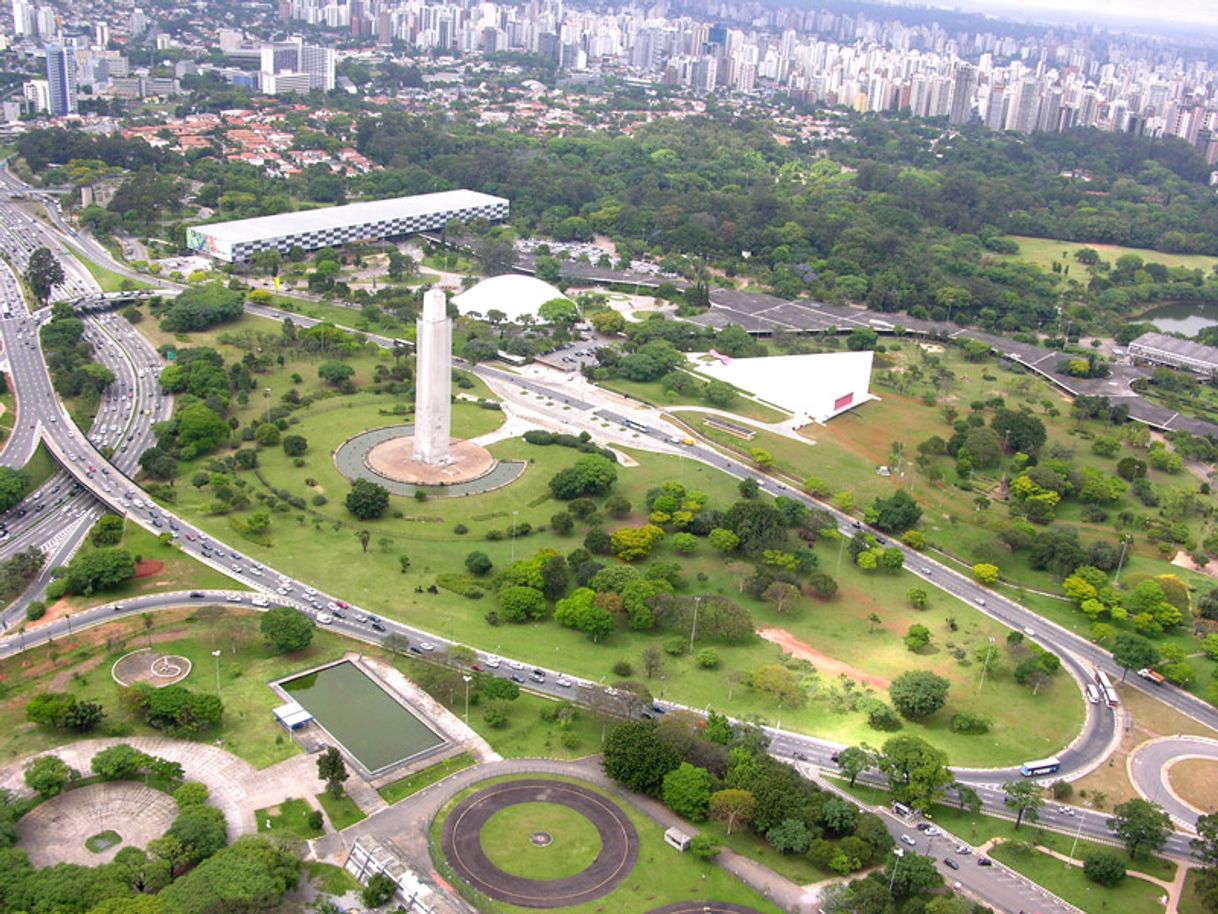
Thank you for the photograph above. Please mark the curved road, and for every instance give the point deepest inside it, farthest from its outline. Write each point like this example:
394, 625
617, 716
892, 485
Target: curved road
1150, 769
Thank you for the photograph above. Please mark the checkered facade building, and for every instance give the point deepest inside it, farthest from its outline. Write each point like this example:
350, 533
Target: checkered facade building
241, 240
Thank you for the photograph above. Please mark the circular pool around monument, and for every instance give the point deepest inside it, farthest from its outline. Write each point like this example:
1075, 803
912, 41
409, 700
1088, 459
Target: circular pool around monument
384, 456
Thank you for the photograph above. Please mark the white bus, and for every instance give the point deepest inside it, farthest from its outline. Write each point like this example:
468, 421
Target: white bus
1107, 689
1040, 768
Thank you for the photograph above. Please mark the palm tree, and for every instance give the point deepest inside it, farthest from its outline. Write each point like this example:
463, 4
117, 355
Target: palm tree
872, 621
364, 536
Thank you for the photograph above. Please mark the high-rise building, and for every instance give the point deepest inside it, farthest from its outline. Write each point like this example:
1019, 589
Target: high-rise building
137, 24
47, 22
38, 94
101, 34
962, 95
61, 79
318, 62
24, 20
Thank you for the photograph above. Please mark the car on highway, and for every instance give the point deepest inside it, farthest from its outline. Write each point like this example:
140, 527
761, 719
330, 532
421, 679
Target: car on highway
950, 863
377, 627
984, 861
906, 839
492, 661
196, 595
538, 676
564, 682
425, 645
516, 677
325, 618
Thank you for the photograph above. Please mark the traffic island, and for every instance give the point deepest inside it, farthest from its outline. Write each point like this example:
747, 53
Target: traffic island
481, 843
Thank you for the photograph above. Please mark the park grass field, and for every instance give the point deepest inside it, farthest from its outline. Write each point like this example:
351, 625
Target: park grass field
652, 392
291, 816
81, 665
180, 572
323, 548
661, 876
1131, 896
1044, 251
506, 841
341, 811
320, 545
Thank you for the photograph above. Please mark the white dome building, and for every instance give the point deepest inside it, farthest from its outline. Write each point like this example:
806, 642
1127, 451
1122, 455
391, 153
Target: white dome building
512, 293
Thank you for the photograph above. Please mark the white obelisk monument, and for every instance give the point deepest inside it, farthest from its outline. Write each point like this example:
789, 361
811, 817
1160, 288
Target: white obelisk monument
433, 381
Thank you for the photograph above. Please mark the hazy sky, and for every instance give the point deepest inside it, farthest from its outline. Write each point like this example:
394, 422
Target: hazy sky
1169, 13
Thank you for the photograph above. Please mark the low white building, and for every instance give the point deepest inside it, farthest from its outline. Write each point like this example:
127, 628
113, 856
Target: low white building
512, 294
813, 388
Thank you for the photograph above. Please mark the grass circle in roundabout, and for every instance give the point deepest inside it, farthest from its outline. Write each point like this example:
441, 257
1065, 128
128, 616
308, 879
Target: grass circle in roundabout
702, 907
535, 874
540, 840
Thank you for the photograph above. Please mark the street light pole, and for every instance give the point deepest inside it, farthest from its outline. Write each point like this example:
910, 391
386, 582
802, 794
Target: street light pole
1124, 546
694, 628
898, 853
467, 679
217, 654
514, 513
841, 547
985, 666
1077, 832
266, 395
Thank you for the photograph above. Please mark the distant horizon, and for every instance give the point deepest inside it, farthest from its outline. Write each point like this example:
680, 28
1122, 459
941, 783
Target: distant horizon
1166, 15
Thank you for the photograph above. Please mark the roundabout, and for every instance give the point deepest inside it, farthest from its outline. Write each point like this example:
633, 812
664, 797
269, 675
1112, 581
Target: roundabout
1176, 772
540, 843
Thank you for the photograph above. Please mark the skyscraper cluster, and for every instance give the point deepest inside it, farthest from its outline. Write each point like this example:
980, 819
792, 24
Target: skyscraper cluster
1005, 80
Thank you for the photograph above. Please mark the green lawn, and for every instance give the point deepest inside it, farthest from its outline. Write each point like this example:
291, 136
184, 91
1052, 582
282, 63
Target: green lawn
178, 571
108, 280
1044, 251
342, 812
386, 325
102, 841
331, 879
507, 840
41, 466
1132, 896
400, 789
290, 815
81, 666
653, 393
527, 735
1190, 902
661, 876
320, 545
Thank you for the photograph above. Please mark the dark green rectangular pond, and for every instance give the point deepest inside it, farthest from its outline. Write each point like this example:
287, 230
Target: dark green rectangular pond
358, 713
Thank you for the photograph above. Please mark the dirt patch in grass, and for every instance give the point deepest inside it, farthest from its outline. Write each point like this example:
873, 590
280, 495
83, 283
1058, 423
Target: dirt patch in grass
1196, 781
148, 567
825, 665
56, 610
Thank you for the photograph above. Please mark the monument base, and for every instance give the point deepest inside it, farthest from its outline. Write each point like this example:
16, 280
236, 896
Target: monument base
394, 459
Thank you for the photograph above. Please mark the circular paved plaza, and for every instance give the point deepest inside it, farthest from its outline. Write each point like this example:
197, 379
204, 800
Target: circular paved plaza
386, 456
56, 831
461, 843
702, 907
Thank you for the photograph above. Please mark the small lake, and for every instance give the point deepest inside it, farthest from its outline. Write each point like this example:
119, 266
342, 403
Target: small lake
361, 715
1188, 318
